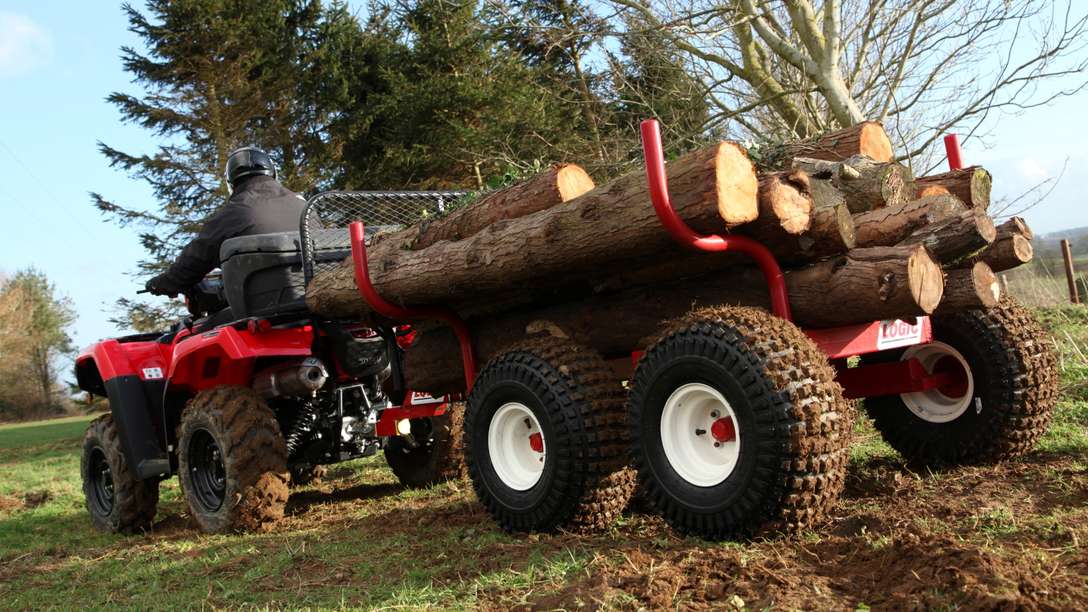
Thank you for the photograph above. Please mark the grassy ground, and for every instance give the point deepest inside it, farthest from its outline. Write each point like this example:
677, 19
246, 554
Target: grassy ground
1012, 535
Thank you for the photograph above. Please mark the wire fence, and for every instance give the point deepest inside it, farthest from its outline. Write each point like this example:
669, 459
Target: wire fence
327, 216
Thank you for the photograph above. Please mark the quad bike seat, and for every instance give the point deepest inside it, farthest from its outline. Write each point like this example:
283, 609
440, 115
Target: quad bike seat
263, 276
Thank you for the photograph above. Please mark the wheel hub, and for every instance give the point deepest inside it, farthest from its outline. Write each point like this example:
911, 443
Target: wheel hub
101, 481
690, 412
516, 446
952, 397
207, 471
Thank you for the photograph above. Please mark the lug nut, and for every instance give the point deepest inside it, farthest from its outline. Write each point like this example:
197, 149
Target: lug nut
700, 432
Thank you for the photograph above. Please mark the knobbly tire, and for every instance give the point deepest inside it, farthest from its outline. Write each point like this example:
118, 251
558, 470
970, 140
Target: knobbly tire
117, 501
232, 461
564, 408
737, 425
1015, 388
437, 456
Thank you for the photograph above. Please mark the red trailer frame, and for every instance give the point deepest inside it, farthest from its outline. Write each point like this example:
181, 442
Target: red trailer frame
839, 343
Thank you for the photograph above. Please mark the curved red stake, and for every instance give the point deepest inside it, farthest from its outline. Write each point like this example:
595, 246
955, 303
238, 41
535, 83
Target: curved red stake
659, 194
392, 311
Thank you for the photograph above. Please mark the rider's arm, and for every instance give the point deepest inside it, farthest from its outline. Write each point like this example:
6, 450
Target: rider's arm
202, 254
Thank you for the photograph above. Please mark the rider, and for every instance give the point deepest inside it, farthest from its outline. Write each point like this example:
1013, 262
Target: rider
258, 204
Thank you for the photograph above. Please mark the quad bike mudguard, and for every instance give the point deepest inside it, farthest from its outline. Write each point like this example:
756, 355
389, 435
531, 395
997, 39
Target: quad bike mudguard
136, 373
131, 373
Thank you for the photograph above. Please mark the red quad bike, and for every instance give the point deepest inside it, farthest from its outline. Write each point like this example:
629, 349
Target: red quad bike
252, 393
737, 422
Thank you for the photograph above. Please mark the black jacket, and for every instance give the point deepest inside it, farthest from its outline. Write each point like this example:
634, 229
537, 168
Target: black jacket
259, 205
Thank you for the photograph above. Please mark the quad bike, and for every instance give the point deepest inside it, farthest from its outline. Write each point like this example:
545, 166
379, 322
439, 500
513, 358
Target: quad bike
252, 394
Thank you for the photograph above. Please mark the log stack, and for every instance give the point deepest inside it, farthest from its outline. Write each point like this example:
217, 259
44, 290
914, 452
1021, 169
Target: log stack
860, 237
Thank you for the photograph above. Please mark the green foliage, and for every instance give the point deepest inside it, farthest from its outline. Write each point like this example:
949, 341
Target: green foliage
421, 94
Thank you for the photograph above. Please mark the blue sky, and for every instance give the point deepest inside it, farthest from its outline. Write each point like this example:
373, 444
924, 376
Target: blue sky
59, 60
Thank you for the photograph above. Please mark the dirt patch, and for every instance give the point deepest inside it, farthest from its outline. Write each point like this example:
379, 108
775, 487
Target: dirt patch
10, 504
33, 499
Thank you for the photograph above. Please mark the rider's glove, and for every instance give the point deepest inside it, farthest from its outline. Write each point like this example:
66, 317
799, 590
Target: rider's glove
159, 285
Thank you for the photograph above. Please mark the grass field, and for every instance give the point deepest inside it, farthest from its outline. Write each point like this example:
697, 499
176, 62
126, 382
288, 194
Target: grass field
1012, 535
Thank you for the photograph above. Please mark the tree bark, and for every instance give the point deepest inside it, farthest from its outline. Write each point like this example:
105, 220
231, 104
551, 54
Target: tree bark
972, 288
518, 259
891, 225
886, 278
955, 237
1006, 253
558, 184
865, 184
971, 185
867, 138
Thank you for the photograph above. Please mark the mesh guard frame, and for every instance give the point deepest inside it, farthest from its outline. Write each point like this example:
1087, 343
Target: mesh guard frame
326, 216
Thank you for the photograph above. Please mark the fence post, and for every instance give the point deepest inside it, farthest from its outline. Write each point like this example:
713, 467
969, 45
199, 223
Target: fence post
1067, 255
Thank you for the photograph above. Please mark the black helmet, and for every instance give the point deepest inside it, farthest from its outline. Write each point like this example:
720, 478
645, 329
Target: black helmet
248, 161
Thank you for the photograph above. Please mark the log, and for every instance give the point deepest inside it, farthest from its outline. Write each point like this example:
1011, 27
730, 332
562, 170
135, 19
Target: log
713, 188
831, 232
1006, 253
558, 184
867, 138
891, 225
785, 203
864, 183
955, 237
871, 283
1015, 225
888, 277
972, 288
971, 185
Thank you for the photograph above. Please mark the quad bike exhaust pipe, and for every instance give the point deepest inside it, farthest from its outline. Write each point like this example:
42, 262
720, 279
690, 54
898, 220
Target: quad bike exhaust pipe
291, 379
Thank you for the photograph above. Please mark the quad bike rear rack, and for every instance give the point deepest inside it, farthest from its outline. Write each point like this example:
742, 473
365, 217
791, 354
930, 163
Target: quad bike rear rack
837, 343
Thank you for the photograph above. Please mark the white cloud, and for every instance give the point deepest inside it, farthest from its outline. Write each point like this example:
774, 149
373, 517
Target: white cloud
1032, 169
23, 44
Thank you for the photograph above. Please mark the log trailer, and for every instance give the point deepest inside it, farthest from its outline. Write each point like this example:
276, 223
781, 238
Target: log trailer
732, 420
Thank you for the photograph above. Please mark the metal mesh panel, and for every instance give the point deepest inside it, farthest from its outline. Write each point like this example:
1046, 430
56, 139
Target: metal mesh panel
327, 215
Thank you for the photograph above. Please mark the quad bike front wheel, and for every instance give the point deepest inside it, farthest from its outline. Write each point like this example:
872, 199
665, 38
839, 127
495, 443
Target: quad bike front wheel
434, 452
1002, 387
232, 461
117, 501
544, 438
737, 425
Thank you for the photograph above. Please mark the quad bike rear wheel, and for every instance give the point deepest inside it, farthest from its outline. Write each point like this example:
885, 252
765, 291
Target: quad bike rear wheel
1000, 402
434, 454
737, 425
117, 501
544, 438
232, 461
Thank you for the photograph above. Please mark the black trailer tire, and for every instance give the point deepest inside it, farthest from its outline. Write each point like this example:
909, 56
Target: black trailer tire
1015, 387
567, 395
117, 501
438, 455
232, 461
737, 425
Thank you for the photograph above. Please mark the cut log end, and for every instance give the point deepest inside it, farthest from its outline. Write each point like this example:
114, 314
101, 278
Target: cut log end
925, 191
785, 201
971, 288
925, 279
873, 142
572, 181
1008, 252
736, 185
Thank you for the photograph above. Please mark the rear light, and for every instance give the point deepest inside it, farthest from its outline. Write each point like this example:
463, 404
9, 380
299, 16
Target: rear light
256, 326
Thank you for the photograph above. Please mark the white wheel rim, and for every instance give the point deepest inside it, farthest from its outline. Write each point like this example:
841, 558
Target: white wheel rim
510, 437
690, 439
933, 405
